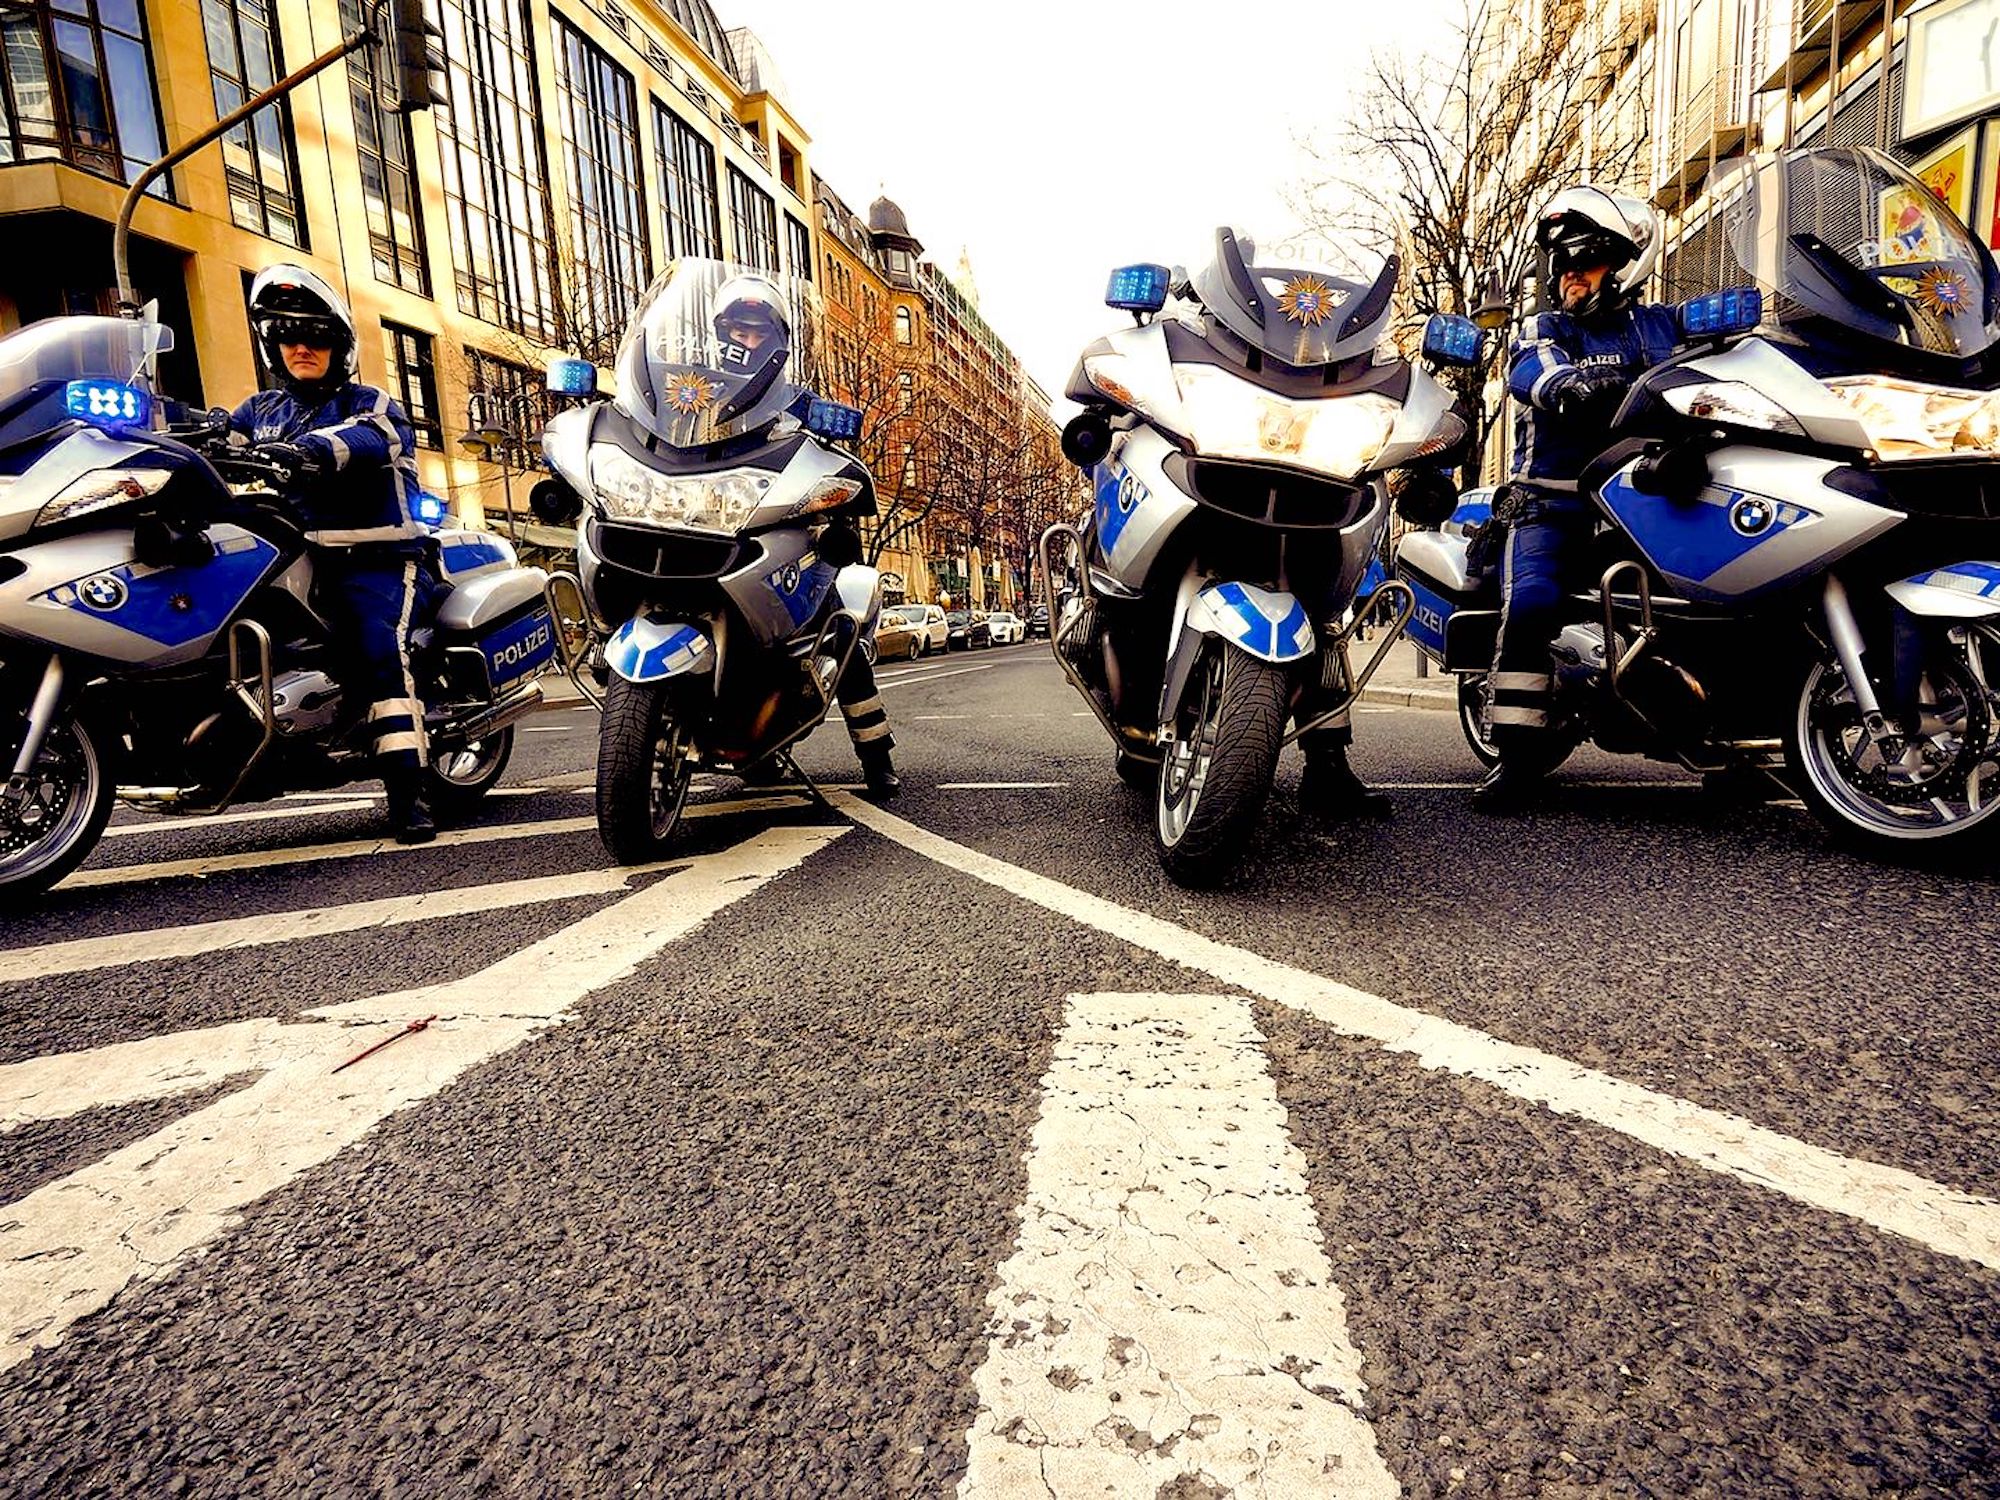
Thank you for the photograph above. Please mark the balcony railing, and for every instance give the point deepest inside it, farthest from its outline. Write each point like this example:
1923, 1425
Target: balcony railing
1709, 125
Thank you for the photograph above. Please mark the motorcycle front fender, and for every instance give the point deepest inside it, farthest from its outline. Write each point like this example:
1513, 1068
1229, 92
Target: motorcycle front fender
652, 648
1963, 591
1266, 624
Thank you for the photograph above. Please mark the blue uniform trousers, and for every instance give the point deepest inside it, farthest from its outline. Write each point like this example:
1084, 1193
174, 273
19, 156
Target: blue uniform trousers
374, 600
1546, 549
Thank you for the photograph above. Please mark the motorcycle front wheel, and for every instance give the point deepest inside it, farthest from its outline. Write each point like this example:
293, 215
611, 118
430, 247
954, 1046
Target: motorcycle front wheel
51, 828
1934, 788
642, 771
1228, 729
1472, 703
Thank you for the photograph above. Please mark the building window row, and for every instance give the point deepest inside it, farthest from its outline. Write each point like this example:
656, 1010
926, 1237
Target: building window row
754, 217
76, 85
383, 151
257, 160
690, 214
611, 263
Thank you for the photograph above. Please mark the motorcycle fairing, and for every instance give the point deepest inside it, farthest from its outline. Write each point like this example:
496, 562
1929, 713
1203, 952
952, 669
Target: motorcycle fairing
801, 587
1268, 625
1963, 591
1764, 519
464, 555
652, 648
1137, 507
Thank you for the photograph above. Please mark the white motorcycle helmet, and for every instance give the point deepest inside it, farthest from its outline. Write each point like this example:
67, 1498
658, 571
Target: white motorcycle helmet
1588, 226
290, 304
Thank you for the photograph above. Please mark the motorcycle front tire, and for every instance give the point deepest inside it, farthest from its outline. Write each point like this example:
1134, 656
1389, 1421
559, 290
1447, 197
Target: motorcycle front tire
1229, 727
642, 774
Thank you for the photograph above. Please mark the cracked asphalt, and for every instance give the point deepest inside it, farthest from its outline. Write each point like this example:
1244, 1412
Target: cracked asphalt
732, 1227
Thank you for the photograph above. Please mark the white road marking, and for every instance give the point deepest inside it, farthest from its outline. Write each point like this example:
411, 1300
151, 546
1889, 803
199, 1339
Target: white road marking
552, 728
1601, 783
999, 786
939, 716
68, 1247
934, 677
1943, 1218
1168, 1313
151, 945
299, 854
330, 796
168, 823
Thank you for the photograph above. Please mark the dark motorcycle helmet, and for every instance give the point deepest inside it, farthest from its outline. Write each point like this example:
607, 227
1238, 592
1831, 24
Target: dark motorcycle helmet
292, 305
750, 317
1585, 226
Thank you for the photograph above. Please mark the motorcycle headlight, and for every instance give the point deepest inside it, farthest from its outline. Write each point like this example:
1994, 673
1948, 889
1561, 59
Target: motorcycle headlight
101, 491
1231, 418
1908, 419
631, 491
1733, 404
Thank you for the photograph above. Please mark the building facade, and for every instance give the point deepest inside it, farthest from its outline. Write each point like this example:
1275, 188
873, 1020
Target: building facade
576, 149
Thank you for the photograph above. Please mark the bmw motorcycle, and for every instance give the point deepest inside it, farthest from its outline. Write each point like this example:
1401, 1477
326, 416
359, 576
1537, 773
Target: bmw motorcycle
1238, 440
1799, 572
159, 642
707, 490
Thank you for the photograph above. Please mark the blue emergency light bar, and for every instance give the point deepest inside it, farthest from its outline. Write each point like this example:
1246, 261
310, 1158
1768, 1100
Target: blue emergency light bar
572, 377
108, 403
1138, 288
831, 420
1735, 309
428, 508
1452, 340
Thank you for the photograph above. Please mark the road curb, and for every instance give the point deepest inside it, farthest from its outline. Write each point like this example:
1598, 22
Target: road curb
1429, 698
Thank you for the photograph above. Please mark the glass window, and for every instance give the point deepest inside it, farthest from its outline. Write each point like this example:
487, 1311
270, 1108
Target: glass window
691, 210
754, 217
799, 248
389, 194
906, 390
413, 381
495, 176
78, 87
257, 158
607, 195
906, 327
511, 396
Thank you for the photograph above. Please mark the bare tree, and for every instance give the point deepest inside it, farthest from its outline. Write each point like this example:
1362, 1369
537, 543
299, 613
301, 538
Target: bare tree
1449, 152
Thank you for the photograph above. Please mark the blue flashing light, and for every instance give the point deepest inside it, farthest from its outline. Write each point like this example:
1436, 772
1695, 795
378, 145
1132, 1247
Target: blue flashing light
108, 403
833, 421
569, 376
1452, 340
1138, 288
1735, 309
428, 508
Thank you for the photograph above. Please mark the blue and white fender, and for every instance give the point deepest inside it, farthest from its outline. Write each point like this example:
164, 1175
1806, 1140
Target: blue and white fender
1271, 627
652, 648
1963, 591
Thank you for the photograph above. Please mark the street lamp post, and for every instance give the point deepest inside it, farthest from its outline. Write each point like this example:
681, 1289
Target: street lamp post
495, 422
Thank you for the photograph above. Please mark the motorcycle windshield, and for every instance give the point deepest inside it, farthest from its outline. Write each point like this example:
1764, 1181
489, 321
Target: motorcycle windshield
1848, 234
65, 349
716, 351
1299, 315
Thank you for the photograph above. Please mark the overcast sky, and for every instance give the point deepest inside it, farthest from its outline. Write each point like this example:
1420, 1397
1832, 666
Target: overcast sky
1057, 140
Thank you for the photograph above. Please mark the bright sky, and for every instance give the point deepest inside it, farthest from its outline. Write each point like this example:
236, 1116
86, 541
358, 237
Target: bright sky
1055, 139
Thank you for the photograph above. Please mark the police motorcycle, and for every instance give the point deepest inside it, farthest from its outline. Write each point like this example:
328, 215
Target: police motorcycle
1800, 573
1238, 440
707, 489
159, 642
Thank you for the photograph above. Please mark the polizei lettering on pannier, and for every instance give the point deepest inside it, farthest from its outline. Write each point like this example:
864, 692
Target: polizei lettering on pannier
520, 647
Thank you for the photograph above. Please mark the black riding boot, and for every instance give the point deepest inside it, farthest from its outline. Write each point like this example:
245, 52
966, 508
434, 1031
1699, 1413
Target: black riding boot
409, 813
1332, 791
878, 770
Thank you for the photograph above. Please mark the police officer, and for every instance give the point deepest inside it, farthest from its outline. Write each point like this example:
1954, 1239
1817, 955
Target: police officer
1568, 372
752, 329
349, 455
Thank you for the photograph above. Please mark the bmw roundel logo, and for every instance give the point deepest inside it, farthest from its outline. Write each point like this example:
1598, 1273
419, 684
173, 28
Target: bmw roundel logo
103, 591
788, 579
1752, 516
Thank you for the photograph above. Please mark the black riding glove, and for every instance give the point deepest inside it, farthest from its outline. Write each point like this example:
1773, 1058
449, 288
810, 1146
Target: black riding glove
298, 464
1594, 391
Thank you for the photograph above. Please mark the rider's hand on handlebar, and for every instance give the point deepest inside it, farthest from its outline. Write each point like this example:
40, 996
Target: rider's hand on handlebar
1593, 390
298, 464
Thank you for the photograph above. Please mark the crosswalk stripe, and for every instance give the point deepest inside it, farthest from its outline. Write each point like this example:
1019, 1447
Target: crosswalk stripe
1945, 1219
1168, 1322
151, 945
298, 854
68, 1247
168, 823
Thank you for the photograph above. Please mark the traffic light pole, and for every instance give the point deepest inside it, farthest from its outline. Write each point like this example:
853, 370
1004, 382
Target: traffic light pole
121, 237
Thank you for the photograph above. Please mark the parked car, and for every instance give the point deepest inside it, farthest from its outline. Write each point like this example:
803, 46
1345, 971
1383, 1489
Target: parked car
967, 631
898, 637
1038, 621
929, 622
1008, 628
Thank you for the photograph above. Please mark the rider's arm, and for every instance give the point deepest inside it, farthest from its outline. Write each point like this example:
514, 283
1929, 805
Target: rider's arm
1539, 368
243, 421
375, 437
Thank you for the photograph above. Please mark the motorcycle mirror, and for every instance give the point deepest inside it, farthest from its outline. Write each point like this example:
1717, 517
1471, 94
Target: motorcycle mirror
833, 421
1086, 439
1138, 288
554, 503
1452, 340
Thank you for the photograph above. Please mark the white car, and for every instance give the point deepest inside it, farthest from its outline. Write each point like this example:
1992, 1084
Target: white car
929, 623
1008, 629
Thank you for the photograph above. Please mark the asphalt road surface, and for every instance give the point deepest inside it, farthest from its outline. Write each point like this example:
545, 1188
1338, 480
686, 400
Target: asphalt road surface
1644, 1146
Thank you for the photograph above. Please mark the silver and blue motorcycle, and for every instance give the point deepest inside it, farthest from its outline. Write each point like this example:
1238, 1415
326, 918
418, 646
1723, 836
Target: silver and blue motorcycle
159, 640
708, 489
1238, 440
1799, 574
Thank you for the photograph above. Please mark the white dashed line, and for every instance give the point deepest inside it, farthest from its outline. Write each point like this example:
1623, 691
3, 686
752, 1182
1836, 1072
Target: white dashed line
1943, 1218
1168, 1322
168, 823
999, 786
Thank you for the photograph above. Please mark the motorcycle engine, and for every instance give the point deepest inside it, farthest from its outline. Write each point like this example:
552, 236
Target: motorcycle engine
304, 702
